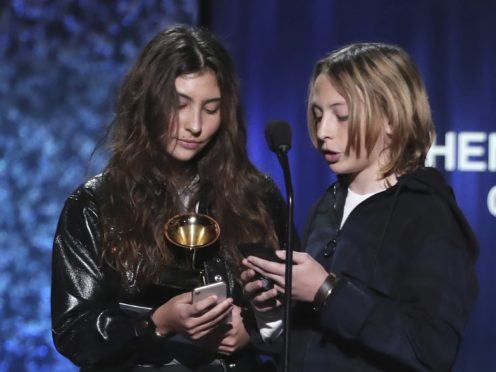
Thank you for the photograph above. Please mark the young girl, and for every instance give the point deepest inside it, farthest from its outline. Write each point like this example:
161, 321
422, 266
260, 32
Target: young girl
177, 146
387, 281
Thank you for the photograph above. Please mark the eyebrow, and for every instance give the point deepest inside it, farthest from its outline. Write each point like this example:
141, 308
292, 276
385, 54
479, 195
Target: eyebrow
330, 106
210, 100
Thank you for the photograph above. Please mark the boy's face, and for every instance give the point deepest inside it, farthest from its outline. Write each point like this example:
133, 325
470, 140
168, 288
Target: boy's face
330, 112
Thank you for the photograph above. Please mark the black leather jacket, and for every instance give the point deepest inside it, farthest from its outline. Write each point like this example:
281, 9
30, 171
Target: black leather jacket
88, 325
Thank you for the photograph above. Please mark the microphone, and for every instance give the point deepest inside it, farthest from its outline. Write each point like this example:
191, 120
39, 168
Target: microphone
278, 136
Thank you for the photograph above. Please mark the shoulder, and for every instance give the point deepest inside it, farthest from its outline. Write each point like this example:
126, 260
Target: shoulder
86, 195
271, 195
79, 220
89, 188
430, 201
428, 190
269, 186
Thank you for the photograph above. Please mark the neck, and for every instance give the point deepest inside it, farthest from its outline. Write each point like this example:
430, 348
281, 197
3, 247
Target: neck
182, 173
369, 181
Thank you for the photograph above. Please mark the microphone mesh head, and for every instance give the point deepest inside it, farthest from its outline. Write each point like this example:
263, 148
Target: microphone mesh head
278, 135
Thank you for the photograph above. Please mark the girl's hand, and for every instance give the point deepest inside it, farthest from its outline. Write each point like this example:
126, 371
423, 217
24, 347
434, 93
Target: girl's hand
231, 337
308, 274
196, 320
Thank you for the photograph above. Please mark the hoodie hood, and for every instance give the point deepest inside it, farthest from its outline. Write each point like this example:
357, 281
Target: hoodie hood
432, 180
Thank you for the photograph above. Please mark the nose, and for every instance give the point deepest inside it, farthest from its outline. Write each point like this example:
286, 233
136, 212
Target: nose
326, 129
193, 122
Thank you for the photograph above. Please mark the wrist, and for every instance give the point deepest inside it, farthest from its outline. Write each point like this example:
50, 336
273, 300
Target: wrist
324, 292
147, 326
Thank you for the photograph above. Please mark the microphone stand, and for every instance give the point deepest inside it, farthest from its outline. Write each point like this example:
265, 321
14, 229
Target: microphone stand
283, 160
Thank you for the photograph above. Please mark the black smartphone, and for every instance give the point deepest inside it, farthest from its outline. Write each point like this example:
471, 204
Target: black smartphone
259, 250
264, 252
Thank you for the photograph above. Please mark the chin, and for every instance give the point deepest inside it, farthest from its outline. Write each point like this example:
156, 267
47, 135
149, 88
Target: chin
183, 157
334, 167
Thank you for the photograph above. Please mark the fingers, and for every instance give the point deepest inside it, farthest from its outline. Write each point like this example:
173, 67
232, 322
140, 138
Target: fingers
236, 337
248, 275
251, 289
202, 306
263, 266
261, 298
227, 347
267, 301
184, 298
298, 257
268, 269
280, 289
265, 296
254, 283
229, 342
203, 324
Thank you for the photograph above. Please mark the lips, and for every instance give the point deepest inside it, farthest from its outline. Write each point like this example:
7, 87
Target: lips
188, 144
331, 156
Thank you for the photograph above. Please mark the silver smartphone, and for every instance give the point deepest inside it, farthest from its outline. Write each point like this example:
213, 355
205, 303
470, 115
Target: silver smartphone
218, 289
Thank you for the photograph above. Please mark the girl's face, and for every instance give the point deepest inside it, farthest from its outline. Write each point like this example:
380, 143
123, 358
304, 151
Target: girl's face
330, 112
198, 115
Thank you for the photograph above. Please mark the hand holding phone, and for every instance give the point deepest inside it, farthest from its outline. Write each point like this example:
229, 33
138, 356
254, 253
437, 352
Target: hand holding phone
264, 252
217, 289
259, 250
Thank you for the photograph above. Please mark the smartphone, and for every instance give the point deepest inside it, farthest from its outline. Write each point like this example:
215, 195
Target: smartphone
218, 289
134, 308
259, 250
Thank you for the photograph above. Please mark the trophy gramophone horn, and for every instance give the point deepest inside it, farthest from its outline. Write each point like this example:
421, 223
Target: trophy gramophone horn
192, 231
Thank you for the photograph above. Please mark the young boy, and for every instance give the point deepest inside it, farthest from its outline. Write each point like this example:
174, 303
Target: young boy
388, 279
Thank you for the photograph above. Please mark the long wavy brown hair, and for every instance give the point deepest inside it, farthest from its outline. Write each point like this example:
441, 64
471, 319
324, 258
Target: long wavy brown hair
140, 181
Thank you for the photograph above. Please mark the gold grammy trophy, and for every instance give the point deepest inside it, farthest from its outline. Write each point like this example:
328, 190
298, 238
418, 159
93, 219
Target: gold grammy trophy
192, 231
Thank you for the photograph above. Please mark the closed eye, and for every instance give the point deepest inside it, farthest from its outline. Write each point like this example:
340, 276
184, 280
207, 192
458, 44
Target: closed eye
212, 110
317, 114
212, 106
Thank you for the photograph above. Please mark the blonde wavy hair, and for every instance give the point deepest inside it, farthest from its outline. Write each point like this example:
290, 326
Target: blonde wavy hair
380, 82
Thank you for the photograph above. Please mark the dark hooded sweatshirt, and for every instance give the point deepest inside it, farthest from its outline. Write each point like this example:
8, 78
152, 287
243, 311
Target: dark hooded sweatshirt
405, 260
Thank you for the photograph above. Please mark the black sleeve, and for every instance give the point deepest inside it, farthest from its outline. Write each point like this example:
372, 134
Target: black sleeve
421, 326
87, 325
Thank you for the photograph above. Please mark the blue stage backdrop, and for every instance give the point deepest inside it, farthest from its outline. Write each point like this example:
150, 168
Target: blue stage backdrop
275, 44
60, 64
